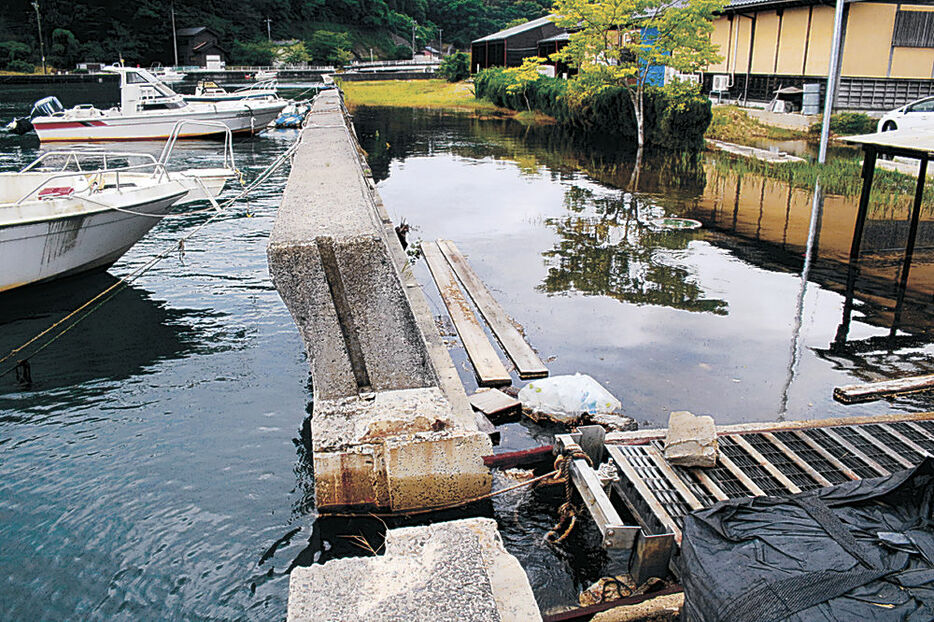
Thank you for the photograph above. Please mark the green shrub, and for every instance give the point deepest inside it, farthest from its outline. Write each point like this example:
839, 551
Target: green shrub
20, 66
675, 117
847, 124
400, 52
455, 67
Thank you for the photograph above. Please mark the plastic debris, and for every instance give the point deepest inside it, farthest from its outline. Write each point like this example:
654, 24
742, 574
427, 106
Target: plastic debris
565, 398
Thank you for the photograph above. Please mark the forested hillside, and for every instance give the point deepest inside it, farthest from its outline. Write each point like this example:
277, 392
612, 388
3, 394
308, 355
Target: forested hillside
141, 32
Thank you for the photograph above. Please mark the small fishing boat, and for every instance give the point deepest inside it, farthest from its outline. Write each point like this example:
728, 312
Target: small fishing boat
55, 225
149, 110
168, 75
264, 75
208, 91
201, 183
293, 116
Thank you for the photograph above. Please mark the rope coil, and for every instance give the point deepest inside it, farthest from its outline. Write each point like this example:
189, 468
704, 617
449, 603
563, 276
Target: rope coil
567, 513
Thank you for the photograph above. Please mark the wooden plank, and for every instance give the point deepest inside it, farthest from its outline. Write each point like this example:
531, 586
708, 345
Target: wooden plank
708, 483
490, 370
765, 464
855, 393
738, 473
904, 439
826, 455
649, 434
689, 497
527, 362
487, 427
905, 462
801, 462
495, 404
853, 449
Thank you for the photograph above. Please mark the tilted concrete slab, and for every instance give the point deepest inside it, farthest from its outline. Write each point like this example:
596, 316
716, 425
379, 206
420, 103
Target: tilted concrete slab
391, 425
453, 571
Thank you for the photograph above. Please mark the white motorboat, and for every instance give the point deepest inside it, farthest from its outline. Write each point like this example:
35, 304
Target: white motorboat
264, 75
149, 110
208, 91
167, 75
55, 225
202, 184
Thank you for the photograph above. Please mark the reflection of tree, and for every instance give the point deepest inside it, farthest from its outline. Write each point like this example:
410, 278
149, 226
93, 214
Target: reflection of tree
616, 253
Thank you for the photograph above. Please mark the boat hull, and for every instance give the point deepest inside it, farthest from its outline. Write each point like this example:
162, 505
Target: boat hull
249, 118
39, 251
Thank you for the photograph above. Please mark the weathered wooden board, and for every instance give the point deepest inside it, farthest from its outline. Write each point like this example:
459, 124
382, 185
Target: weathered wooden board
495, 404
527, 362
487, 427
855, 393
490, 370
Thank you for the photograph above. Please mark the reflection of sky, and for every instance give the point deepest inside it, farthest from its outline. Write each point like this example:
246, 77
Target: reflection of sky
655, 359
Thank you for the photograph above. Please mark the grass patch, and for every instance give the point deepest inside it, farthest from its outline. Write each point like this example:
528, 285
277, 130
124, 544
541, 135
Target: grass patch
439, 94
732, 124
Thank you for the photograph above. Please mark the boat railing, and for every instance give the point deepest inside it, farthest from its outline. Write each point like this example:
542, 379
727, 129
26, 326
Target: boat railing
89, 176
265, 85
76, 156
176, 132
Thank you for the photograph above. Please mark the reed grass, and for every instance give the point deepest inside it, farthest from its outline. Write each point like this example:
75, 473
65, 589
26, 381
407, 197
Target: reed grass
437, 94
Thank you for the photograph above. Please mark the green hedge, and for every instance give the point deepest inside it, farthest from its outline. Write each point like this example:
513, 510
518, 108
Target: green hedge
847, 124
674, 120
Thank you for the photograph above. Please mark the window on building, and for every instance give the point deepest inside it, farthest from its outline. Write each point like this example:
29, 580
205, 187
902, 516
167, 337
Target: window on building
914, 29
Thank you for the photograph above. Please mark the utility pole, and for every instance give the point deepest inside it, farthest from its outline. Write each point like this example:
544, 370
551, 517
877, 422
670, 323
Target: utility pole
414, 24
35, 5
440, 43
174, 37
268, 29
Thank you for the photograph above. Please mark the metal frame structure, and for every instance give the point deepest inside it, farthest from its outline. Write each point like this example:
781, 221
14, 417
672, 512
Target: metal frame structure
776, 459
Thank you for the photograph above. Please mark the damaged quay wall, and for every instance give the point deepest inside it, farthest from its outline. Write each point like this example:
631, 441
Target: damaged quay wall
391, 426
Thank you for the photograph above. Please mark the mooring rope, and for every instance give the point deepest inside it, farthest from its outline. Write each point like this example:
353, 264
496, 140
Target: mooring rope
97, 301
567, 513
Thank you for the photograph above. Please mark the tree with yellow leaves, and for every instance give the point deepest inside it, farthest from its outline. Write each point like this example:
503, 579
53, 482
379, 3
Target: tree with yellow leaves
618, 43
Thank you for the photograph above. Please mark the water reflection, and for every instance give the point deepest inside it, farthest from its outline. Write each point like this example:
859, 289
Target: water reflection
607, 246
119, 340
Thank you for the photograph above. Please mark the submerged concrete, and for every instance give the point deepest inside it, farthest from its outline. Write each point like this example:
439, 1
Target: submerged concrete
454, 571
391, 426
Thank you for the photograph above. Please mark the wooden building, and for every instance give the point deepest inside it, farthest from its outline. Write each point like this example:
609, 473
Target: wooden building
507, 48
196, 44
887, 60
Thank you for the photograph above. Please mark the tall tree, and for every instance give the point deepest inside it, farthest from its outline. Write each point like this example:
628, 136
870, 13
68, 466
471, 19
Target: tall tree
619, 42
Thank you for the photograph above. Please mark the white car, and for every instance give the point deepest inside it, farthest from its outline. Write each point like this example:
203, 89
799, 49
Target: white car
918, 114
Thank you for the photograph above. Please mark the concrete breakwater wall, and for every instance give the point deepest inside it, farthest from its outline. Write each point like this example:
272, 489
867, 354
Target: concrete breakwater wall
391, 426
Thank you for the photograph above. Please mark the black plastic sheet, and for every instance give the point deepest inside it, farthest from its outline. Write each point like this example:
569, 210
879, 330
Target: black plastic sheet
860, 551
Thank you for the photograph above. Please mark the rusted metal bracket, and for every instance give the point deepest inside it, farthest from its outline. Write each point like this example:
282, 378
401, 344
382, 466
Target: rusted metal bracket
616, 534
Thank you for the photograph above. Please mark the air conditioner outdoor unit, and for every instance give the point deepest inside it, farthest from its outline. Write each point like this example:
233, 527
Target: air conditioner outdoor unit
721, 84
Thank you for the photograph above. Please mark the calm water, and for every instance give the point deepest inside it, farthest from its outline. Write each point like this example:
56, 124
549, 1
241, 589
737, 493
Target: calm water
156, 458
156, 469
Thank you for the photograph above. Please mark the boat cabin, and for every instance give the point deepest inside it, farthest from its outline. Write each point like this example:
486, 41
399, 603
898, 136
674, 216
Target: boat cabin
140, 91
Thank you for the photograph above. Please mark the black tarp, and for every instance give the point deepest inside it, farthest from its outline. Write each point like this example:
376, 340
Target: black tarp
860, 551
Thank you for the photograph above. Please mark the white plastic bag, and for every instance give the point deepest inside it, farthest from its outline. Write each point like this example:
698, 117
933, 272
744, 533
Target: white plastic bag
568, 396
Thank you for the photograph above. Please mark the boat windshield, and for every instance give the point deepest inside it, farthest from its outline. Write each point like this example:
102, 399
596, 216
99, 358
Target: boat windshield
133, 77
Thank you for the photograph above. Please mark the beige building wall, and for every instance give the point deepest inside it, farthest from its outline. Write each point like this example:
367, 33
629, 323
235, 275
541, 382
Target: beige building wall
794, 36
764, 45
867, 49
868, 40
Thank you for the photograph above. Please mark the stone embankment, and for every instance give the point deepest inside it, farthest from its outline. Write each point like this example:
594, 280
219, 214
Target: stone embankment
391, 426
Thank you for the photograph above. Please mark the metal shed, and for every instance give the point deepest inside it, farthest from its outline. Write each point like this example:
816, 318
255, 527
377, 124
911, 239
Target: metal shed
507, 48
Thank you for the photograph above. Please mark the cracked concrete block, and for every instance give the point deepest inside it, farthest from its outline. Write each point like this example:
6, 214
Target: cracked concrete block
691, 440
455, 571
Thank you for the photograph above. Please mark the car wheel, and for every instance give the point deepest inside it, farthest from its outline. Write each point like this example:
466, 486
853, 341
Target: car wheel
889, 126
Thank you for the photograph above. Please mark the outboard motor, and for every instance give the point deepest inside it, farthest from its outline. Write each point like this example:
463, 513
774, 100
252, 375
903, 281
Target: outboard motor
45, 107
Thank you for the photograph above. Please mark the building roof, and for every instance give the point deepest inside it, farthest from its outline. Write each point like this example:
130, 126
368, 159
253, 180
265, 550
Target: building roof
509, 32
736, 6
191, 32
561, 36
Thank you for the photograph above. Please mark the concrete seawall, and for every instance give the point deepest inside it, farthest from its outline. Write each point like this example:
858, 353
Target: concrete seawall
391, 426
